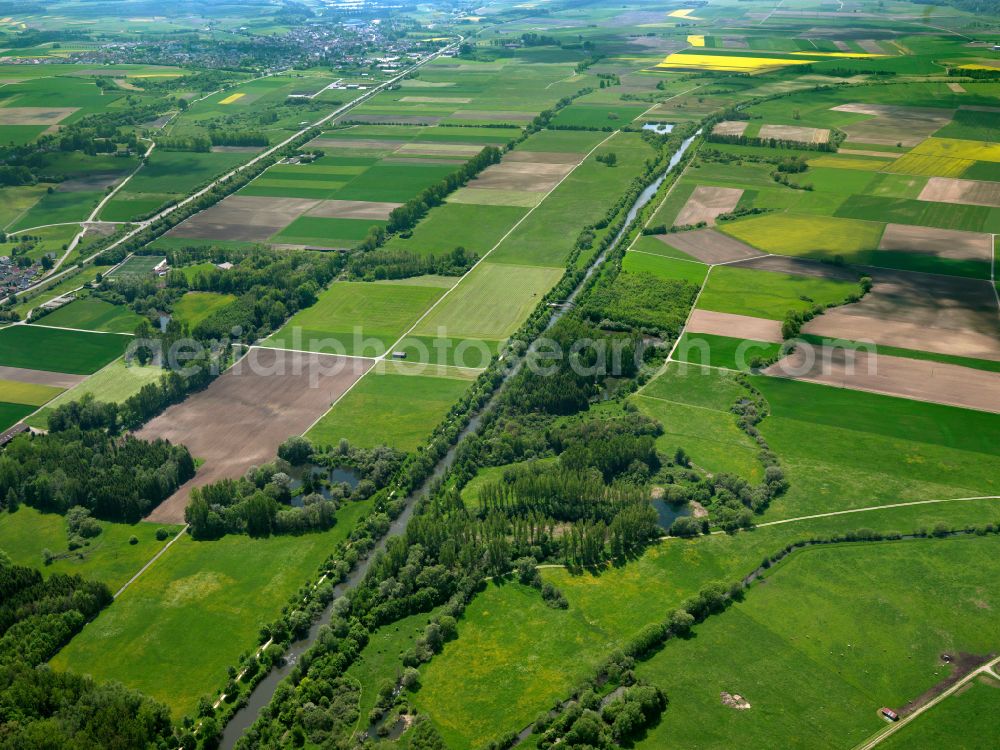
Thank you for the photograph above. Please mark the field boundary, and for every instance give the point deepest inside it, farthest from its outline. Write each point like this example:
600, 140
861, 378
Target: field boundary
148, 565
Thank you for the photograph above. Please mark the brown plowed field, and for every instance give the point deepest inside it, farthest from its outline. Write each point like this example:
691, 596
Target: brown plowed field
948, 190
925, 312
709, 246
734, 326
41, 377
893, 376
707, 204
944, 243
244, 217
247, 412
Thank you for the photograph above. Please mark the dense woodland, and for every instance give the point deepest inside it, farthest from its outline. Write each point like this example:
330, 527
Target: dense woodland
41, 708
117, 478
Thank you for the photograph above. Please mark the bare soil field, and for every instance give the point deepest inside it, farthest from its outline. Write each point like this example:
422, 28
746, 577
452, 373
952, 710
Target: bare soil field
795, 133
943, 243
734, 326
893, 124
979, 108
247, 412
709, 246
957, 88
41, 377
440, 149
842, 46
542, 157
334, 209
871, 46
894, 376
969, 192
533, 178
925, 312
243, 217
730, 127
708, 203
34, 115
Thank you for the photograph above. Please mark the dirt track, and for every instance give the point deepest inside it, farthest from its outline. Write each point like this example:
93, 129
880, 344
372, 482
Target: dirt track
246, 413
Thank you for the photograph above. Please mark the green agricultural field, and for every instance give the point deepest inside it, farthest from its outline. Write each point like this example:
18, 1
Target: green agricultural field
58, 207
109, 557
664, 267
28, 394
910, 211
194, 307
477, 228
766, 294
389, 409
93, 314
808, 236
321, 232
846, 449
724, 351
75, 352
597, 117
113, 383
490, 303
11, 414
867, 645
186, 618
356, 318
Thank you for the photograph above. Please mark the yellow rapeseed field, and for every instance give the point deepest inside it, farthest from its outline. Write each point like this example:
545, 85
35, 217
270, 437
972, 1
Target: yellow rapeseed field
685, 13
696, 40
727, 63
954, 148
231, 98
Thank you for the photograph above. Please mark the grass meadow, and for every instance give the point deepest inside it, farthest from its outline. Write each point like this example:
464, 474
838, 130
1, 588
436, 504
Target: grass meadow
194, 307
389, 409
113, 383
109, 557
173, 633
833, 634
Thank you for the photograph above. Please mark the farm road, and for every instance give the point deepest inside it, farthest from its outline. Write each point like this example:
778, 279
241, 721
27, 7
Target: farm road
895, 727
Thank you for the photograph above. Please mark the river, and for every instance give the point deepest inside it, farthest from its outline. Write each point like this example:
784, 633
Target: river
262, 693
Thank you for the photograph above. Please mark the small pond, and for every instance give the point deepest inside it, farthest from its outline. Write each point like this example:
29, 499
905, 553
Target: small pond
323, 478
660, 128
667, 513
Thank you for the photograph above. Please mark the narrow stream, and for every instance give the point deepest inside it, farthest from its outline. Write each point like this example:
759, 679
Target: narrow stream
261, 695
